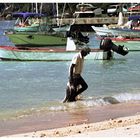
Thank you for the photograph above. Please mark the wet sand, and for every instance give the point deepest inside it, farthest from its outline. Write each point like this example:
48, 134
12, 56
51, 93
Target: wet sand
63, 120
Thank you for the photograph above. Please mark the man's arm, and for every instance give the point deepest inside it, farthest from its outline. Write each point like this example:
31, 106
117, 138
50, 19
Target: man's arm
71, 73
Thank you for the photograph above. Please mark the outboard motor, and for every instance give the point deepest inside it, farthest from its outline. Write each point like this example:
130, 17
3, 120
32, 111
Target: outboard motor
108, 45
120, 49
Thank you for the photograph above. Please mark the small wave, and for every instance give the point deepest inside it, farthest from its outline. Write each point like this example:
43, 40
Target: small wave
127, 97
111, 100
85, 102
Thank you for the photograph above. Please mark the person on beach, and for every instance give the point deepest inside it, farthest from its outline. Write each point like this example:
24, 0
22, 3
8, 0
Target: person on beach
76, 84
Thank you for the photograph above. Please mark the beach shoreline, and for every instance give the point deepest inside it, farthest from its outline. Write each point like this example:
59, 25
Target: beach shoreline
125, 126
82, 122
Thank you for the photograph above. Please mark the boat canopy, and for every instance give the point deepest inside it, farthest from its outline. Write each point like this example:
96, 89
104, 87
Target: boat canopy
134, 17
27, 14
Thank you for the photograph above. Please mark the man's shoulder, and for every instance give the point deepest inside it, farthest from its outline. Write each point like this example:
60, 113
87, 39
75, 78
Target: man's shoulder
76, 58
78, 55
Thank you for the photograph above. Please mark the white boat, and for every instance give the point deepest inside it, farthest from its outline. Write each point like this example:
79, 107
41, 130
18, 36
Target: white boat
59, 27
115, 31
85, 10
103, 31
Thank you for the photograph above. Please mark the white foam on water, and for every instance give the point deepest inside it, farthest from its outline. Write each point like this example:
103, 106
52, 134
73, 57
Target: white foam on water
127, 97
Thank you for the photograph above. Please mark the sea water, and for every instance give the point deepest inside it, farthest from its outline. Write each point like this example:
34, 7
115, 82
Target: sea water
30, 87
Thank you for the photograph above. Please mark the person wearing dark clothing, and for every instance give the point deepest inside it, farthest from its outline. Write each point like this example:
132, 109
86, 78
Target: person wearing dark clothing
76, 84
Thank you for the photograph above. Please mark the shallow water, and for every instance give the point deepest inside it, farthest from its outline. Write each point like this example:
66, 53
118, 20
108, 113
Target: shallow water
28, 87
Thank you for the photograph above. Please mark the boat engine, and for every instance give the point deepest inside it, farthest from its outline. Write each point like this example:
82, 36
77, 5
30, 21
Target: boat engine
107, 45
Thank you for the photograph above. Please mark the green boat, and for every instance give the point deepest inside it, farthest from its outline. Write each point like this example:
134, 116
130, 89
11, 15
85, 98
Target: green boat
37, 39
31, 30
45, 54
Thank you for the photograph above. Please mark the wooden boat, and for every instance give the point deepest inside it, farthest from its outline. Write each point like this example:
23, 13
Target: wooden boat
37, 39
44, 54
25, 53
35, 34
55, 54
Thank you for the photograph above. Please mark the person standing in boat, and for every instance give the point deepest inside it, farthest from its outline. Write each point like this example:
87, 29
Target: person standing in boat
76, 84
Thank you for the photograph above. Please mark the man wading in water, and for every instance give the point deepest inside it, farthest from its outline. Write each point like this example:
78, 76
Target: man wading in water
76, 84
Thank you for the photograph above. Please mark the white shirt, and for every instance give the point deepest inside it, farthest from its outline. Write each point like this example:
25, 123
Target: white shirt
78, 61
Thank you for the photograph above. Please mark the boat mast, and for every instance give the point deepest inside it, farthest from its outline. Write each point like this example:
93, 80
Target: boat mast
36, 5
41, 5
32, 7
57, 13
62, 14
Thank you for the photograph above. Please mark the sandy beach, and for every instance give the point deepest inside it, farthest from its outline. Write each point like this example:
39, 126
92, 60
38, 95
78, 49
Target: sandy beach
120, 127
114, 120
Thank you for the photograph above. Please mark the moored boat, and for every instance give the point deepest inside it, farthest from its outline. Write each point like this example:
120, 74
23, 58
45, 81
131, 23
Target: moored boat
61, 28
115, 32
32, 30
37, 39
85, 10
133, 44
131, 29
59, 54
29, 22
44, 54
